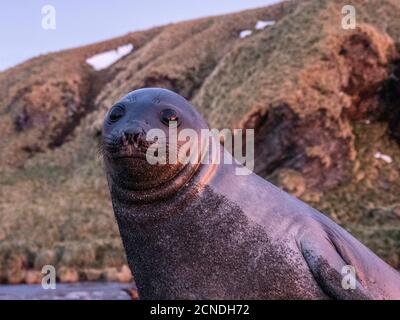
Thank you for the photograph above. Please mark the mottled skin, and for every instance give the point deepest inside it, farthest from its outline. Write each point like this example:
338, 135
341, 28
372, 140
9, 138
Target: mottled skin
203, 232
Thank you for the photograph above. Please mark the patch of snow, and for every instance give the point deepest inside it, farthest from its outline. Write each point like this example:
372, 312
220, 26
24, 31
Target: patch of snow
105, 59
245, 33
384, 157
262, 24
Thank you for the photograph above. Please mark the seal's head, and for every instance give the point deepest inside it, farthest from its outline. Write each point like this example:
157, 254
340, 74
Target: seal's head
126, 142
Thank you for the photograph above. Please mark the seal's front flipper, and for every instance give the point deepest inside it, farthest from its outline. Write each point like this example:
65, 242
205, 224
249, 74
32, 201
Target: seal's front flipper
326, 265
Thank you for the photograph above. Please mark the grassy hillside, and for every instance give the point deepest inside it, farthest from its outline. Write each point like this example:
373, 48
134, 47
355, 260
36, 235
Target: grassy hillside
323, 100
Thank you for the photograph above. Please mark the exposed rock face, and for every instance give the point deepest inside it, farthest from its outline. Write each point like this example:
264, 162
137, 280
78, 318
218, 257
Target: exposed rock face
323, 102
303, 113
390, 99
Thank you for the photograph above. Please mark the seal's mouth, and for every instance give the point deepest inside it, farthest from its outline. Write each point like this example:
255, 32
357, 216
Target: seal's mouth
137, 169
130, 154
131, 151
136, 156
148, 191
143, 169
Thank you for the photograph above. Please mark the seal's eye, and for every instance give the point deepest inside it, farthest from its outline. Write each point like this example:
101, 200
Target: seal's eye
116, 113
169, 115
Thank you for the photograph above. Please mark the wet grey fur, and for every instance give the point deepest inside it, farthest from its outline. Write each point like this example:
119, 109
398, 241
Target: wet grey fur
223, 236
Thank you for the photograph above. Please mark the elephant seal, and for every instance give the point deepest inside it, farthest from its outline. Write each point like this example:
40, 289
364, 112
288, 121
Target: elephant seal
199, 231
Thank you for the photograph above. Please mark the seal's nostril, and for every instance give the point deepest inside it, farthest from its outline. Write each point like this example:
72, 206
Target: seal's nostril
125, 138
136, 136
132, 135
